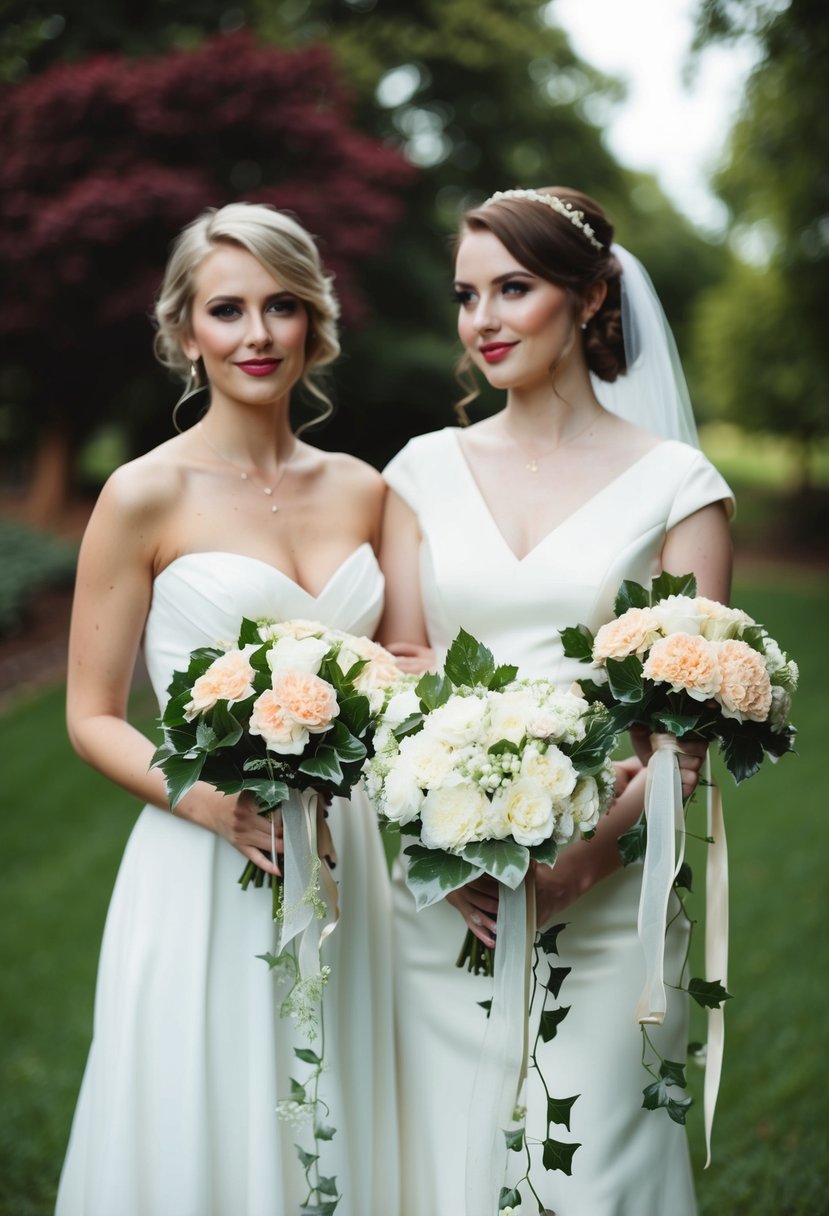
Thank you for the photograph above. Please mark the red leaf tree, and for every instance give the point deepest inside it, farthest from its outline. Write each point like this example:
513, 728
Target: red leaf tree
105, 160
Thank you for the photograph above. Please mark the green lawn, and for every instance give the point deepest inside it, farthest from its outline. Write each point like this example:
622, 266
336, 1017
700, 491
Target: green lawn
64, 828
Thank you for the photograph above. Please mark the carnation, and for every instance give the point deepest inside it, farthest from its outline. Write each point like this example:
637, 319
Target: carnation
631, 633
745, 690
228, 678
280, 731
688, 664
719, 622
310, 701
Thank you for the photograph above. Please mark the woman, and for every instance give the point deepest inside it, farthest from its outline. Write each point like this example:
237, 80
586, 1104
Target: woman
235, 517
513, 528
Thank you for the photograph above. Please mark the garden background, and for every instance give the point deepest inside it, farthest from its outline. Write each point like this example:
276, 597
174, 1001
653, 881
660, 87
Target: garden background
376, 124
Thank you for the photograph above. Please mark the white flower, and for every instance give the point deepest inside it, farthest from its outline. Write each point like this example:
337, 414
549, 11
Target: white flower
297, 654
551, 768
509, 713
431, 759
296, 628
451, 816
456, 722
402, 796
565, 823
678, 614
586, 803
400, 707
528, 808
781, 704
719, 622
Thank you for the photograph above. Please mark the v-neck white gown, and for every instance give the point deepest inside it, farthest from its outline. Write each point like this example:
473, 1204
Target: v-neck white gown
631, 1162
177, 1111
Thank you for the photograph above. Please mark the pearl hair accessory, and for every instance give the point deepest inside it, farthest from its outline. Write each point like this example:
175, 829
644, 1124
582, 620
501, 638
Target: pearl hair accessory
560, 205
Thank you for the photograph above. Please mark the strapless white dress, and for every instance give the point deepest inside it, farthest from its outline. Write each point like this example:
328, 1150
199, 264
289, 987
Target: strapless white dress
632, 1162
177, 1111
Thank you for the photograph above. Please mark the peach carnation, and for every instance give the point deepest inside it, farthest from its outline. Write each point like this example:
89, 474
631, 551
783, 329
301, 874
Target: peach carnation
688, 663
309, 700
745, 691
228, 678
276, 726
631, 633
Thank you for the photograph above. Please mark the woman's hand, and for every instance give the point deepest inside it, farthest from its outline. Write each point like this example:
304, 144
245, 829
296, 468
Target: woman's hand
477, 903
625, 771
412, 657
690, 757
237, 819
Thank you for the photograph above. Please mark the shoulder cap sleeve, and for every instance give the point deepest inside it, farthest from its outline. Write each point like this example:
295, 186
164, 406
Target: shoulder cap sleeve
699, 486
411, 472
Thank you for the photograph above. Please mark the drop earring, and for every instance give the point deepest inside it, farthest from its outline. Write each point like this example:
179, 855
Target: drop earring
191, 388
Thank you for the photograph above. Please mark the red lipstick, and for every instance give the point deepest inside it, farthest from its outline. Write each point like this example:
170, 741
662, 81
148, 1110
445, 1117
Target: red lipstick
494, 352
259, 367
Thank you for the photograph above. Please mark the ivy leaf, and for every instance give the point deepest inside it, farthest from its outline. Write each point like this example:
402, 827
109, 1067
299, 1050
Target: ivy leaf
546, 852
673, 1072
433, 689
549, 1022
577, 643
325, 1207
677, 724
630, 595
666, 584
327, 1186
503, 675
708, 993
548, 940
556, 978
180, 774
559, 1156
685, 877
558, 1110
505, 860
307, 1055
486, 1005
267, 792
468, 662
656, 1096
324, 766
633, 842
625, 679
306, 1159
508, 1199
348, 748
433, 874
742, 753
515, 1139
599, 740
298, 1093
324, 1131
355, 713
227, 727
408, 726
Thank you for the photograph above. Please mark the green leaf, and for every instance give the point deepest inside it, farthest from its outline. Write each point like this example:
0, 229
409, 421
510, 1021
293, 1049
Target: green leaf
468, 662
634, 842
307, 1055
685, 877
577, 643
433, 689
324, 1131
673, 1072
677, 724
227, 727
327, 1186
206, 737
558, 1110
559, 1156
409, 726
348, 748
325, 1207
625, 679
548, 940
556, 978
708, 993
505, 860
503, 747
515, 1139
433, 874
657, 1096
630, 595
486, 1005
508, 1199
298, 1093
550, 1021
324, 766
666, 584
503, 675
248, 634
180, 774
355, 713
267, 792
600, 738
306, 1159
546, 852
742, 753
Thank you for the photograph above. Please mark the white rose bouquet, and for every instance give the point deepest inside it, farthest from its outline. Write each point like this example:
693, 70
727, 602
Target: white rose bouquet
685, 667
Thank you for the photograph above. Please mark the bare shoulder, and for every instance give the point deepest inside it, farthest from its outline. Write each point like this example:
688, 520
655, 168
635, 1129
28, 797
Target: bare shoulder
626, 437
354, 476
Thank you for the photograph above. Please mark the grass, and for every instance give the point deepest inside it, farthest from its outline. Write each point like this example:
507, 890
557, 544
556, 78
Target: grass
64, 828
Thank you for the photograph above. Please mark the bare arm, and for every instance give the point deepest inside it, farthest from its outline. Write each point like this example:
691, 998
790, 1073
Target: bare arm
403, 627
112, 597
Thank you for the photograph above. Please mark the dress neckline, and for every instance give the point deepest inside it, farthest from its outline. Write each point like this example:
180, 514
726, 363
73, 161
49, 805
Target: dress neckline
454, 432
266, 565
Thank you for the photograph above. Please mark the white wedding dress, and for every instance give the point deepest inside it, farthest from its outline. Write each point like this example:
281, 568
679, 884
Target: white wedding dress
631, 1162
177, 1111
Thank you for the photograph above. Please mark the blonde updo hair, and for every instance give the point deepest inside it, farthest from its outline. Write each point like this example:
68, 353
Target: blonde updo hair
284, 249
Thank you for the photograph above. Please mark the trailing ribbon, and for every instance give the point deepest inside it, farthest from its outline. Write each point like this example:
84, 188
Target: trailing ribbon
664, 818
716, 953
310, 908
502, 1065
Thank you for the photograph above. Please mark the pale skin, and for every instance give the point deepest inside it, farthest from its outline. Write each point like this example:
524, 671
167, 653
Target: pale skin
182, 498
523, 333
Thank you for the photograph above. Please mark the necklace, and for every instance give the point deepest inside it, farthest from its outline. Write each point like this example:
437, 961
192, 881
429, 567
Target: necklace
533, 459
244, 476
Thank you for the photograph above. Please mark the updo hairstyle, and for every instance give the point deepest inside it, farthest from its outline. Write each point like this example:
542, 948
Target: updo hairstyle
552, 247
283, 248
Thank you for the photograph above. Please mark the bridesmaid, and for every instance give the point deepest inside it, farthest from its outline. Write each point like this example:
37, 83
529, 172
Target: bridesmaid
513, 528
177, 1114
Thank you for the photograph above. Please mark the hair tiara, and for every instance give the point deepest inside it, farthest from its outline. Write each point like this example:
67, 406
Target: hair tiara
560, 205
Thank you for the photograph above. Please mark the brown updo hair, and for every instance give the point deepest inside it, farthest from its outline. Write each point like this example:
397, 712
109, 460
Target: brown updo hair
552, 247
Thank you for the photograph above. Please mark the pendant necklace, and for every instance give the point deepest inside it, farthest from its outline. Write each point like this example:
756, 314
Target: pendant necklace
243, 475
532, 465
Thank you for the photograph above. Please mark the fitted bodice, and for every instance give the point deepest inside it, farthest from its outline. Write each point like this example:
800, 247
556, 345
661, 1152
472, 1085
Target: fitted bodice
200, 599
470, 577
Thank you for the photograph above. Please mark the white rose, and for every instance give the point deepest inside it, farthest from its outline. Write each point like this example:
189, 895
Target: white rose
456, 722
678, 614
297, 654
552, 769
509, 713
431, 759
400, 707
719, 622
452, 815
528, 808
402, 796
586, 803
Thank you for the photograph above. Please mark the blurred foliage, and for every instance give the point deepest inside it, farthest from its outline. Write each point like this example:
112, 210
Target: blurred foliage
761, 341
31, 561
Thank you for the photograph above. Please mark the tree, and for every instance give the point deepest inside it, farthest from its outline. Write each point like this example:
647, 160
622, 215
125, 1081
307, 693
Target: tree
107, 158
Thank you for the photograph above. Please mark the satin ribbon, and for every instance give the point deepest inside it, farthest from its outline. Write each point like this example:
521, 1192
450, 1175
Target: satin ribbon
716, 953
502, 1065
664, 818
310, 908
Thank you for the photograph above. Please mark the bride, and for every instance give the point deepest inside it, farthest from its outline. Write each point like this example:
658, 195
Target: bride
237, 516
512, 529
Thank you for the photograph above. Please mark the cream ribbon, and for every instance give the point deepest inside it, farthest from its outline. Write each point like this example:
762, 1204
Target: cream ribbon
716, 952
307, 880
502, 1064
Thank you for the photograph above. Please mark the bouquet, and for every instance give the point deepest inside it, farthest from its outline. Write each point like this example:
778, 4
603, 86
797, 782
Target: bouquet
684, 666
491, 773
